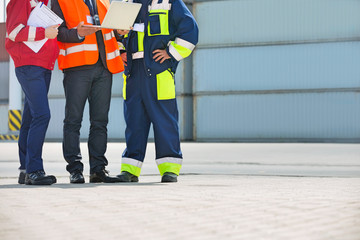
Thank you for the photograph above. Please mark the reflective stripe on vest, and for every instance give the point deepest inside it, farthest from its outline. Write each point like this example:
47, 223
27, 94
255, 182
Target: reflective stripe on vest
78, 48
109, 36
113, 55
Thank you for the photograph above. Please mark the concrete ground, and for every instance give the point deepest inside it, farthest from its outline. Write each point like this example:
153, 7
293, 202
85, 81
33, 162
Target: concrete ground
226, 191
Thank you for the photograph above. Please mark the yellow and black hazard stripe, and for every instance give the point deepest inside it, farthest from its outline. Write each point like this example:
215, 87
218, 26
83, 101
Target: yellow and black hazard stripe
10, 137
14, 120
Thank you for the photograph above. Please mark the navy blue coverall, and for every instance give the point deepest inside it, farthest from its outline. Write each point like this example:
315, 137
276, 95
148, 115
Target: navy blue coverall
149, 87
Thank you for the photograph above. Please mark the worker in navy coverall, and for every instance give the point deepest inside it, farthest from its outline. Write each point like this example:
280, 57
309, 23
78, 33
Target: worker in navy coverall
164, 33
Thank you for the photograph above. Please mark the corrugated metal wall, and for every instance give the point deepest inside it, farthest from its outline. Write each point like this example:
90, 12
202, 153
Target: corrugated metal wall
4, 80
264, 70
277, 70
4, 56
4, 66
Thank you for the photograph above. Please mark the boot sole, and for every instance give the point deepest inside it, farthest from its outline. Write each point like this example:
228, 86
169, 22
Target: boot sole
99, 180
41, 182
21, 179
53, 178
126, 180
168, 179
135, 180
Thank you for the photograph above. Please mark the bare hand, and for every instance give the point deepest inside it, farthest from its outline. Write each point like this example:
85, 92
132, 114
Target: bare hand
85, 31
51, 32
124, 58
122, 32
160, 55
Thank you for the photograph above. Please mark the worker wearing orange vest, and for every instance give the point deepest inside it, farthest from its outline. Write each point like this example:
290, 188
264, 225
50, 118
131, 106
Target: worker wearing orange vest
88, 57
86, 52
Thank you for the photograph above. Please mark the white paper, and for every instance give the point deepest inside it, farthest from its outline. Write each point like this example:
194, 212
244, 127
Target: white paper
139, 27
41, 16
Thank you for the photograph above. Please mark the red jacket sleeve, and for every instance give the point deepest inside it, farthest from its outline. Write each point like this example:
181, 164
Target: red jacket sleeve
18, 12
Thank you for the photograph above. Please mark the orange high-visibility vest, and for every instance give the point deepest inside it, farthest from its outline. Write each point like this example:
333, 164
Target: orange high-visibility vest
86, 52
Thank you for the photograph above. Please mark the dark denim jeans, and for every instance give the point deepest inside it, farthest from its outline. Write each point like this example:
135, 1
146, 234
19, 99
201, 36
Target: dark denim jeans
35, 82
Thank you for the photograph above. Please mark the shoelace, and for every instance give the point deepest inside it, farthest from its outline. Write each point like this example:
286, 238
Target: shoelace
38, 173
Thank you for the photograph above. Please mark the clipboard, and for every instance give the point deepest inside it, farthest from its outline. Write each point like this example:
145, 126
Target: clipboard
41, 16
120, 15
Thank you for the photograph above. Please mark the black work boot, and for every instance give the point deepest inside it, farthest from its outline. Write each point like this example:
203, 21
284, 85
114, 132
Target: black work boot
77, 177
169, 177
39, 178
22, 174
103, 176
127, 177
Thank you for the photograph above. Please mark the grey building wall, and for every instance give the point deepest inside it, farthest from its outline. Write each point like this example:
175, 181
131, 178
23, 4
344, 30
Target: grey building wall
277, 70
4, 82
4, 96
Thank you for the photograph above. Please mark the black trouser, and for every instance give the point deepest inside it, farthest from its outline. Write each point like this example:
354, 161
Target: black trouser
93, 85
